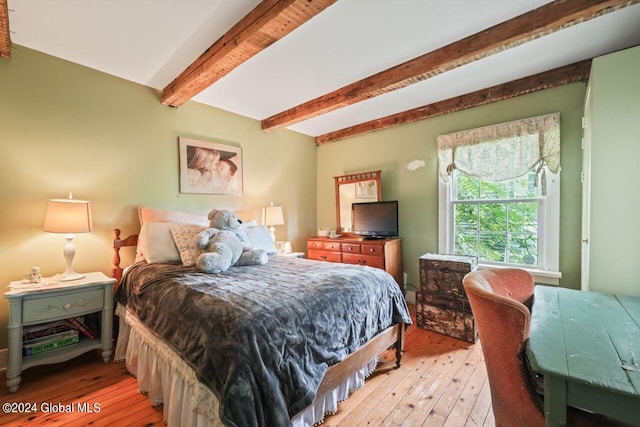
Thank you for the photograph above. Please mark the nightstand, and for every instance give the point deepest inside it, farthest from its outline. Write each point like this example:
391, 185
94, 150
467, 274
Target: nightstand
51, 302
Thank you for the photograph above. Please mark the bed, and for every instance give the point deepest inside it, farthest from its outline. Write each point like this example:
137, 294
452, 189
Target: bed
274, 345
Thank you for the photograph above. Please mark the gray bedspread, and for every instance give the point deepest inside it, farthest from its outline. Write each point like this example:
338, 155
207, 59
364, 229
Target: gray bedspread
262, 337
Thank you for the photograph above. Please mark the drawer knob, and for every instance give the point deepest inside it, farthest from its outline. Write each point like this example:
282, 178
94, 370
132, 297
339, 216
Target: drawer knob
362, 261
350, 248
67, 306
371, 250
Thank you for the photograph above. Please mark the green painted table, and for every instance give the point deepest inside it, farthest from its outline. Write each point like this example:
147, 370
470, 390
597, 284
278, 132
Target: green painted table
587, 346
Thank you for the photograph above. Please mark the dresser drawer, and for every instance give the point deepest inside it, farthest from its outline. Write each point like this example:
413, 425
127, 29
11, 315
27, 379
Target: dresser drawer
385, 254
312, 244
62, 306
376, 250
352, 248
371, 261
330, 256
324, 246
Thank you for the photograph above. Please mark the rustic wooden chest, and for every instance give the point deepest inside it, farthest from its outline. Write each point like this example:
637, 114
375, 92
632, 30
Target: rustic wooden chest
441, 303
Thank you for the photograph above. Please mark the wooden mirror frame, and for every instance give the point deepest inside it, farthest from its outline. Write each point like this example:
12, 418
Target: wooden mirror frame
352, 179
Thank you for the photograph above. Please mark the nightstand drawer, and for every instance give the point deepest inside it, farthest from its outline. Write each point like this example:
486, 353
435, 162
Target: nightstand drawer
62, 306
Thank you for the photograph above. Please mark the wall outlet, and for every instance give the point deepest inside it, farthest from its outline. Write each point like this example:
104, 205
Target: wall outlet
411, 297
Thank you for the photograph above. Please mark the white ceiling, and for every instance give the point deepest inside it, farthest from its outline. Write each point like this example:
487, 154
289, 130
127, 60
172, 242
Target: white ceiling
151, 41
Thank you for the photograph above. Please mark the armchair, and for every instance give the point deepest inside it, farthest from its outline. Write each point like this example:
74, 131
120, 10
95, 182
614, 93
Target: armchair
500, 301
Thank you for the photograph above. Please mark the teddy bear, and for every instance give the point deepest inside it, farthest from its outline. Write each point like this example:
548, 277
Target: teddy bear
223, 219
222, 250
223, 245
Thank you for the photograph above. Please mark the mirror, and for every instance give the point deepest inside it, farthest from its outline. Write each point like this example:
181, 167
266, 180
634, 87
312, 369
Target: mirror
354, 188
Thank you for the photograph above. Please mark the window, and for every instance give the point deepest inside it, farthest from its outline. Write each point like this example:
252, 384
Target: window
505, 223
499, 200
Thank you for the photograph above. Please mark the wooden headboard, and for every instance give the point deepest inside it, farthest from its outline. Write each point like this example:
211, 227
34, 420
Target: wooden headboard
117, 244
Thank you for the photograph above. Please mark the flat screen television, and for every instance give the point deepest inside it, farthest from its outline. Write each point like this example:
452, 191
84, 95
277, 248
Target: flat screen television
375, 220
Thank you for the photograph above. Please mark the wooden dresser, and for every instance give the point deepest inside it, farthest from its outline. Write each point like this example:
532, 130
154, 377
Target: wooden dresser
385, 254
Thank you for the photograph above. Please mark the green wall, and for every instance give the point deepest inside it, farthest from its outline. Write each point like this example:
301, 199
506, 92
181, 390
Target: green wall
615, 229
417, 192
64, 127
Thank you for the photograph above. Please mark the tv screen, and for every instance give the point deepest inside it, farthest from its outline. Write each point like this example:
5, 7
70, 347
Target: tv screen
375, 219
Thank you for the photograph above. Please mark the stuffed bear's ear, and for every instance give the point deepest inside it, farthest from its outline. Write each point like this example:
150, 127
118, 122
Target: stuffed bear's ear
212, 214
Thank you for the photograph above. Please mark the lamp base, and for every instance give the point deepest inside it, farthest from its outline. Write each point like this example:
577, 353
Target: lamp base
69, 253
71, 276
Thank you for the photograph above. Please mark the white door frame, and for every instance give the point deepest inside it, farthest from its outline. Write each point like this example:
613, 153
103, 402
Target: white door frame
586, 191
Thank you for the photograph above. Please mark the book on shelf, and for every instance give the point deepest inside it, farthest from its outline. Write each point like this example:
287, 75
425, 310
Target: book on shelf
44, 330
79, 324
47, 338
52, 342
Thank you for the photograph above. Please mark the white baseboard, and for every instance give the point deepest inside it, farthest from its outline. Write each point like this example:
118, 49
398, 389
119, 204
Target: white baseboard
3, 359
411, 297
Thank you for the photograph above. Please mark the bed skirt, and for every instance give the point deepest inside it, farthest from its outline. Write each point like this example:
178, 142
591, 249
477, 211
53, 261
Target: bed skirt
169, 381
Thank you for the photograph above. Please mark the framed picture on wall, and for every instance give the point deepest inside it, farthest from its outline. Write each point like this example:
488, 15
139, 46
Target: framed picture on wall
366, 190
209, 167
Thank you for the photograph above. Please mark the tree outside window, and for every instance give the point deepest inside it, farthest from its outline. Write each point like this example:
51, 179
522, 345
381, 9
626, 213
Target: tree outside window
496, 221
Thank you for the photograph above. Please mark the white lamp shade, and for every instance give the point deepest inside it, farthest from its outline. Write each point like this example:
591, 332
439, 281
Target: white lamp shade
273, 215
68, 216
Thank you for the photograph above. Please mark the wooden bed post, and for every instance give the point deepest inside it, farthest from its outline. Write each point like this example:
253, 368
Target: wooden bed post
117, 244
400, 344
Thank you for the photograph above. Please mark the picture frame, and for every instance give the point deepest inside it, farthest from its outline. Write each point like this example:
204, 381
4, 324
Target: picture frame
209, 167
366, 189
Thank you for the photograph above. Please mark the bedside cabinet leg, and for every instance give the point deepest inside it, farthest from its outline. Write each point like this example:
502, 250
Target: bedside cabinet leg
14, 351
107, 324
13, 383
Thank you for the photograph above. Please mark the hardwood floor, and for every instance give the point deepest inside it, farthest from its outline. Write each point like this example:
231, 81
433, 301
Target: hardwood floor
442, 382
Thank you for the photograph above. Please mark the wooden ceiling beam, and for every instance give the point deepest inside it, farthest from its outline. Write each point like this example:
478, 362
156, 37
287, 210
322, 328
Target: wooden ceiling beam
5, 36
544, 20
268, 22
560, 76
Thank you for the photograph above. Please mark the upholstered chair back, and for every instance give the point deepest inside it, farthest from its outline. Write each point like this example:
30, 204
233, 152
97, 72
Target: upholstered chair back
500, 300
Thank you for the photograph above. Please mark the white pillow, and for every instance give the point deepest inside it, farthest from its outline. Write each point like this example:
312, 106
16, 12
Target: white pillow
250, 223
261, 239
158, 245
148, 215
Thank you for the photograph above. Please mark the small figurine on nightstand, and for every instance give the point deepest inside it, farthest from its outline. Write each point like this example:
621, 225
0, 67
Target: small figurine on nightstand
35, 276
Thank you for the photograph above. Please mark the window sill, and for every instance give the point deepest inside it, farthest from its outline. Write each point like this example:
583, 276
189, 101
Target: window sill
540, 276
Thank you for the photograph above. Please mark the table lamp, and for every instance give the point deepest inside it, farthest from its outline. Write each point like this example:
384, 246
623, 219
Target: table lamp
272, 215
68, 216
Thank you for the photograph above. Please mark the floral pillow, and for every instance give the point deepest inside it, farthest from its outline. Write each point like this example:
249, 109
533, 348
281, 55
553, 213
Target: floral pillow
184, 236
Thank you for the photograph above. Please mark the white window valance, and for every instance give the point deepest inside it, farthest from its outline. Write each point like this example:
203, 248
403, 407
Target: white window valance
503, 151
